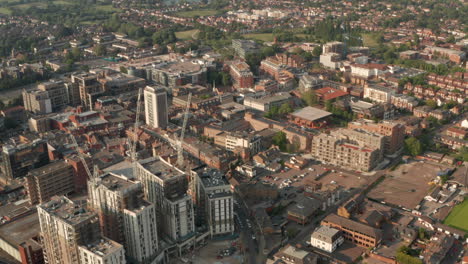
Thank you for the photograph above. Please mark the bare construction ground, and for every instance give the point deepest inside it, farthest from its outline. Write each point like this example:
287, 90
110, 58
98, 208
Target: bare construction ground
407, 185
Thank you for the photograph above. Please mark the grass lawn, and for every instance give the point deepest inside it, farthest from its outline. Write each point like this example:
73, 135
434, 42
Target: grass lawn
194, 13
458, 218
107, 8
28, 5
369, 40
5, 11
260, 36
189, 34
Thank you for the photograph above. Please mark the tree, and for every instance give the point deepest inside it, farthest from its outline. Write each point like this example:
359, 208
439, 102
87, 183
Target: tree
328, 106
422, 233
99, 50
285, 109
279, 139
123, 69
9, 123
310, 98
431, 103
317, 51
413, 146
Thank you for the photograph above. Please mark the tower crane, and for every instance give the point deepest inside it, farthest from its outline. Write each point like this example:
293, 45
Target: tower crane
135, 134
80, 155
180, 154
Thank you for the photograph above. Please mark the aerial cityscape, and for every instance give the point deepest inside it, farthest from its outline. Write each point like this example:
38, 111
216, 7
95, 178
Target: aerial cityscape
233, 131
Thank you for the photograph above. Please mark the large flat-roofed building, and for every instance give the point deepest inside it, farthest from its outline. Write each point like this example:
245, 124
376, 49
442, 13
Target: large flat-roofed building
116, 83
378, 93
356, 232
214, 200
20, 239
58, 92
304, 209
102, 251
310, 117
47, 181
353, 149
65, 225
267, 102
326, 238
89, 88
21, 158
156, 107
178, 73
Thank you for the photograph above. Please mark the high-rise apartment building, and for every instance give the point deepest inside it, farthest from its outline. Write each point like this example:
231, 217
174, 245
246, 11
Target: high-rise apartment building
65, 225
141, 232
37, 101
156, 107
89, 88
178, 218
47, 181
125, 216
103, 251
214, 200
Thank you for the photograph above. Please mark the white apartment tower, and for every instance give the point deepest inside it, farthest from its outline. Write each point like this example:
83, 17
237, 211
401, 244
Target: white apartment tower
178, 218
156, 107
141, 232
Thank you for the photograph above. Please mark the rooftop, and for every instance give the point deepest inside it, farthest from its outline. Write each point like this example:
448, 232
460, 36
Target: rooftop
67, 210
211, 177
51, 167
160, 168
311, 113
104, 246
115, 182
20, 230
353, 225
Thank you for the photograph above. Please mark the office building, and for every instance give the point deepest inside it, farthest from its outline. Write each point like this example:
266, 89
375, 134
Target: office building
21, 158
89, 88
65, 225
356, 232
103, 251
394, 133
156, 107
47, 181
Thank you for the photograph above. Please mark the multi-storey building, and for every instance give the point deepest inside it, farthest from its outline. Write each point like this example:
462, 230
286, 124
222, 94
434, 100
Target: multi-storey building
394, 132
233, 141
178, 218
214, 200
102, 251
47, 181
402, 101
267, 102
141, 232
244, 47
177, 73
65, 225
37, 101
241, 75
115, 83
333, 47
58, 92
377, 93
89, 88
108, 196
349, 148
356, 232
19, 159
125, 216
156, 107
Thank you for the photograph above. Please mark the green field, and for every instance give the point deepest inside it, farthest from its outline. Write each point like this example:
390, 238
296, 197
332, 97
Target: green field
107, 8
458, 218
189, 34
194, 13
5, 11
260, 36
369, 40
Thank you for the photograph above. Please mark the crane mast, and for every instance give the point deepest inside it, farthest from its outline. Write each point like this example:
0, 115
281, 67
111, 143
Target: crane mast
137, 120
80, 155
180, 154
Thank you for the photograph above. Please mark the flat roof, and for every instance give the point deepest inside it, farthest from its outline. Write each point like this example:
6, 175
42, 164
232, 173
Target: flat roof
51, 167
311, 113
67, 210
114, 182
20, 230
160, 168
103, 246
